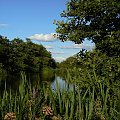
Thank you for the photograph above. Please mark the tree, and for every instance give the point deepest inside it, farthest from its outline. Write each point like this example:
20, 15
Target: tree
17, 55
96, 20
4, 52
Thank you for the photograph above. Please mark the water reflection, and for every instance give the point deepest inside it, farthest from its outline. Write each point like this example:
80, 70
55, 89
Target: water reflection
10, 82
48, 78
62, 84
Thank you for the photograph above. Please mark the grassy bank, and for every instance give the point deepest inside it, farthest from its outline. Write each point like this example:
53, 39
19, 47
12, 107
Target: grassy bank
88, 100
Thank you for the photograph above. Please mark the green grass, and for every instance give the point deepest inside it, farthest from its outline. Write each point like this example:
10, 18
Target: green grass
90, 99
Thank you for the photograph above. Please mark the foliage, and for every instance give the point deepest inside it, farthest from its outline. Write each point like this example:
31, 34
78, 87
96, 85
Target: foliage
93, 62
17, 55
99, 21
97, 72
86, 101
96, 20
68, 63
105, 67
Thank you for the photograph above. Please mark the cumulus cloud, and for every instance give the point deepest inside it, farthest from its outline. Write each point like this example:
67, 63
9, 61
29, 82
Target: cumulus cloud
59, 59
44, 37
3, 25
55, 52
78, 46
48, 47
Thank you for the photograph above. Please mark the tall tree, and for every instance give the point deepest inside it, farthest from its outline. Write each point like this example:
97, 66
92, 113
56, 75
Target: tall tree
17, 55
96, 20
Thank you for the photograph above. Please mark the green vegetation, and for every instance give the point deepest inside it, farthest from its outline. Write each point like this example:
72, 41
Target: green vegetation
97, 70
99, 22
96, 20
94, 62
89, 100
95, 74
17, 55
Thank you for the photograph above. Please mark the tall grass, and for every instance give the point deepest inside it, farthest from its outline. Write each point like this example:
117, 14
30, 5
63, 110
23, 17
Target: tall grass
90, 99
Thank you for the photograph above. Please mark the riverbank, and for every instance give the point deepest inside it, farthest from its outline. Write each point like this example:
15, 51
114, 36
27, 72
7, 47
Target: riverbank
83, 102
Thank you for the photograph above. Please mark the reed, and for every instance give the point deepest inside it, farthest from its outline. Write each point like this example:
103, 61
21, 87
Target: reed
89, 99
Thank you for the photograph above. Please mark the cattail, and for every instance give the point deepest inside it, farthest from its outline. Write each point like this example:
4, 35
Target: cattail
10, 116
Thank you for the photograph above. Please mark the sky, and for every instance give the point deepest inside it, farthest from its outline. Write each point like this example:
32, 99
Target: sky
34, 19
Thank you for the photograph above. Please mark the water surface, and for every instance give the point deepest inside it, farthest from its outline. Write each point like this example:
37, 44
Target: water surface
12, 81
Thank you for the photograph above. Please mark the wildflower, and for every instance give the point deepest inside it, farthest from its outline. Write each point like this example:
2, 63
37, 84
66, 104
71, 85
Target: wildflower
47, 111
10, 116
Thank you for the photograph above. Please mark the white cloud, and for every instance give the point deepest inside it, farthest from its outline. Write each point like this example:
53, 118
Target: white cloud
48, 47
44, 37
78, 46
59, 59
3, 25
53, 52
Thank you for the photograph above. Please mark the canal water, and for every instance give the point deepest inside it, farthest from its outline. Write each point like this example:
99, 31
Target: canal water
13, 81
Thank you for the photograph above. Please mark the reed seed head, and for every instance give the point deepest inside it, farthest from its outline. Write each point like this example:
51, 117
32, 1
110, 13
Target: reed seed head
10, 116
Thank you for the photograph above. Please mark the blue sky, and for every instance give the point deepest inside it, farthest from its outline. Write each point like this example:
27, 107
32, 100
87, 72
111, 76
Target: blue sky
34, 19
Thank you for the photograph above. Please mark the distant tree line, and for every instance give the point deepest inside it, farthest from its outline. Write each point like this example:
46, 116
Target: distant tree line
17, 55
